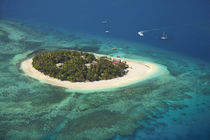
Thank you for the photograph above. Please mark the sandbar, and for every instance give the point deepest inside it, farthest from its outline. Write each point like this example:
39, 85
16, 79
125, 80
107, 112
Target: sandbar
138, 70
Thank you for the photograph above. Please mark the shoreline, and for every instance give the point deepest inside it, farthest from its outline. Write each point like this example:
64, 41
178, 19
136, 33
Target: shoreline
138, 70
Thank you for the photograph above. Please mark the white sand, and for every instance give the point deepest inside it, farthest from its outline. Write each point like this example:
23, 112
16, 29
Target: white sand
137, 71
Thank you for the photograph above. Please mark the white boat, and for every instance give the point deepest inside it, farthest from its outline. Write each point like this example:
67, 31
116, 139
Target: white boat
107, 31
141, 33
164, 36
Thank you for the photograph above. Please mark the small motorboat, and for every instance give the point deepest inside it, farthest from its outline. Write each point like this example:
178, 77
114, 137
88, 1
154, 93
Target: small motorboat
107, 31
118, 56
114, 48
164, 36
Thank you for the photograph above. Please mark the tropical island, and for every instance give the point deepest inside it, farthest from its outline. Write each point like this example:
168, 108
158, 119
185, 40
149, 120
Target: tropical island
76, 66
85, 71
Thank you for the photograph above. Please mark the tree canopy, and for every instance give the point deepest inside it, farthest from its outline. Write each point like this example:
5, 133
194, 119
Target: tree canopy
77, 66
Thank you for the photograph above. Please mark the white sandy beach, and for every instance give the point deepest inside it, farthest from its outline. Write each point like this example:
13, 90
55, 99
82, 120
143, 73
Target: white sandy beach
137, 71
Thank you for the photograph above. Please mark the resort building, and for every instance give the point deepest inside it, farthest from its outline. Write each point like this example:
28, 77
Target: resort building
116, 61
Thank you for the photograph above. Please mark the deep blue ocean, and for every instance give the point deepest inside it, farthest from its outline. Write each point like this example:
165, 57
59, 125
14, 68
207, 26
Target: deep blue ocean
176, 107
185, 21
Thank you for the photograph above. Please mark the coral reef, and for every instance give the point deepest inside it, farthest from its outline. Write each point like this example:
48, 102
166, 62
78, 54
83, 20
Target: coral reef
30, 109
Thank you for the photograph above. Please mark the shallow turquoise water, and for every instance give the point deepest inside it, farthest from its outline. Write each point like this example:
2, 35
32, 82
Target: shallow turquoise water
174, 106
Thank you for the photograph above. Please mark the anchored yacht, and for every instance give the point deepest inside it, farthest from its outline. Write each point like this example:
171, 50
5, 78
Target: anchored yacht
164, 36
141, 33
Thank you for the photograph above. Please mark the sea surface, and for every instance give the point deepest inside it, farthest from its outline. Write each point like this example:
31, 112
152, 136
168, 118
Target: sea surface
172, 106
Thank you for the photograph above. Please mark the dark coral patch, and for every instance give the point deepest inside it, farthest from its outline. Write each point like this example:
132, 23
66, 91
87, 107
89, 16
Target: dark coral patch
4, 36
97, 119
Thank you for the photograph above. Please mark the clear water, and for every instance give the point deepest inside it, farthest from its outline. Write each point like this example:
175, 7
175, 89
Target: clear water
175, 106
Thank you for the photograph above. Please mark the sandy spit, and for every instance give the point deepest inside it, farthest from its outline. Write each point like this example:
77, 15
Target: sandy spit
137, 71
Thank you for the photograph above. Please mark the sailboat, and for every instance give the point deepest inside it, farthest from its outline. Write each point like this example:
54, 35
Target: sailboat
164, 36
106, 31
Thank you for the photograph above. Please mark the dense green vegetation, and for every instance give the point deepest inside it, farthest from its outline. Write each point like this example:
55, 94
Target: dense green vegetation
77, 66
